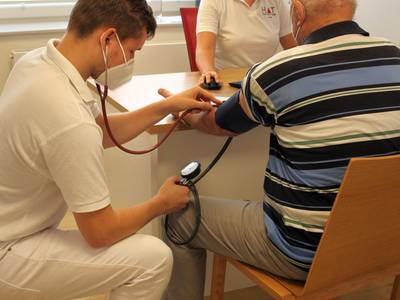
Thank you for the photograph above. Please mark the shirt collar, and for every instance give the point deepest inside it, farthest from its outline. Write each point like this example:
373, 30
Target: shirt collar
334, 30
69, 70
244, 2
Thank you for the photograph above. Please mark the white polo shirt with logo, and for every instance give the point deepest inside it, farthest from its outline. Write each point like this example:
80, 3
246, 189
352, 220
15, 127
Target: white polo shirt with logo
51, 154
245, 35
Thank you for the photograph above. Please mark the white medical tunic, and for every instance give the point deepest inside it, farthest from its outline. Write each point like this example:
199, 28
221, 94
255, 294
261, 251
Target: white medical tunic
51, 154
245, 35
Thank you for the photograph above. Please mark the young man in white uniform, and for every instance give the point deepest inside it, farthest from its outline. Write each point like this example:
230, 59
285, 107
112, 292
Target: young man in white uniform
240, 33
51, 147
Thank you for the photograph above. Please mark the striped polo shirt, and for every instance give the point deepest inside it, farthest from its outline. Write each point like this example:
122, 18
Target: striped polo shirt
334, 98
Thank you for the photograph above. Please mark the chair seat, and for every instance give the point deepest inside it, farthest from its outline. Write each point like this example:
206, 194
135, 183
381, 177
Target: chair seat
270, 283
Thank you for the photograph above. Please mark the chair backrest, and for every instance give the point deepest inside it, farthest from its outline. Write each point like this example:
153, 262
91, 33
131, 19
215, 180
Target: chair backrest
189, 19
362, 235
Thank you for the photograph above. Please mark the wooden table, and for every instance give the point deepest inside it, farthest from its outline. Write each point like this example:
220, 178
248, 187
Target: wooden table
142, 90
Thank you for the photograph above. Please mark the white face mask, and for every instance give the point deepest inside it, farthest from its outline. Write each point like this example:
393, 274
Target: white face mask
118, 75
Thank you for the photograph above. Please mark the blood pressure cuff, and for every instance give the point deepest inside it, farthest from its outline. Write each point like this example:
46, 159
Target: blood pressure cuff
230, 116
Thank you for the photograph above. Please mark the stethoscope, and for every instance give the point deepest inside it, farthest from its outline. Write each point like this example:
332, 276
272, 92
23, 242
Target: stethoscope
190, 174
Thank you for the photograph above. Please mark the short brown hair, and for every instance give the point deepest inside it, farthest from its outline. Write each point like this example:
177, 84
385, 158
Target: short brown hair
129, 17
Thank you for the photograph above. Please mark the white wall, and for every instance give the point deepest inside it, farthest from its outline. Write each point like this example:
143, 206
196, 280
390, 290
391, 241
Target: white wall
380, 18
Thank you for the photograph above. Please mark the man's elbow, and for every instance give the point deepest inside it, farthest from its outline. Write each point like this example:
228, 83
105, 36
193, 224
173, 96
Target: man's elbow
98, 244
98, 235
96, 240
98, 228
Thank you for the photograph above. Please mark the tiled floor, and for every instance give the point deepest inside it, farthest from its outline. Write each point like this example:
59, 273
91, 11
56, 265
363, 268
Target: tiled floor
379, 291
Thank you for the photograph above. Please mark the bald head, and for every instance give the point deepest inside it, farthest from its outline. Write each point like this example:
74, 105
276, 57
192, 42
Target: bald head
310, 15
330, 8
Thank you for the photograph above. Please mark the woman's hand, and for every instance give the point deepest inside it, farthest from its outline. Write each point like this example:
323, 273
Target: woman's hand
206, 77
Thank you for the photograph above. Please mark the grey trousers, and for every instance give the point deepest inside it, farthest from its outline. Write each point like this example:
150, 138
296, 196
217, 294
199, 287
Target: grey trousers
234, 228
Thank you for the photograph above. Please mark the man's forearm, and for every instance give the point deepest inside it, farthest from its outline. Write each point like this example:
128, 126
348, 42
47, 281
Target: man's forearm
126, 126
131, 219
106, 227
205, 122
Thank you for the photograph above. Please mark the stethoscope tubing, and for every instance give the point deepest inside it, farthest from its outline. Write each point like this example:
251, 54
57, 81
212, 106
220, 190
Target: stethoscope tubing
189, 183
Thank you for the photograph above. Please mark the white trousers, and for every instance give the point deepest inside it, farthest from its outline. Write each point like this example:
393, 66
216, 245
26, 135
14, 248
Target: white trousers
56, 265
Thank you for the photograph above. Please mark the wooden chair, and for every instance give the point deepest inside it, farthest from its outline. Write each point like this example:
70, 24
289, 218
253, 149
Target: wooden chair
189, 19
360, 244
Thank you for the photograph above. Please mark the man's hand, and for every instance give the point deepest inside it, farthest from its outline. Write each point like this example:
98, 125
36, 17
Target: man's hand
195, 98
203, 121
172, 197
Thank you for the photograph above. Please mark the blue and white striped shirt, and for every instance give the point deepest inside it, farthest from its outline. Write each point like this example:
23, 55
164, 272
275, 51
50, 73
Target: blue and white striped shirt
334, 98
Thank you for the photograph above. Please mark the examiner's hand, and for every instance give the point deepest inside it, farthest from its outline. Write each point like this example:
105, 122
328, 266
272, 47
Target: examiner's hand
172, 197
195, 98
207, 77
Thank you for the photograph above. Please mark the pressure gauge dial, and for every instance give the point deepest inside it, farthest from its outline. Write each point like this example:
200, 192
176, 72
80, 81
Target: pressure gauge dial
191, 170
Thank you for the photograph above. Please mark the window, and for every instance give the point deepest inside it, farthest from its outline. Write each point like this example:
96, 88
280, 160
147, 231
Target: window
170, 7
29, 9
56, 9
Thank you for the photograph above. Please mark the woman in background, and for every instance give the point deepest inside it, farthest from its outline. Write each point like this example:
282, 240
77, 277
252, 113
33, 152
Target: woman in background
240, 33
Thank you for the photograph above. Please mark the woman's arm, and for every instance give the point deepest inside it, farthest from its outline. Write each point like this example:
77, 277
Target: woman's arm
205, 55
288, 41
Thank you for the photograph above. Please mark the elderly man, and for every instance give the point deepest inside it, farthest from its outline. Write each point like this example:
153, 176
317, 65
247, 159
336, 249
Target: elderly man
51, 150
334, 97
